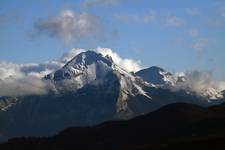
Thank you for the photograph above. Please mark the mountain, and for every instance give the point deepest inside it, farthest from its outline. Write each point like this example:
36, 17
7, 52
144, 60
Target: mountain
92, 69
157, 76
161, 78
175, 126
88, 90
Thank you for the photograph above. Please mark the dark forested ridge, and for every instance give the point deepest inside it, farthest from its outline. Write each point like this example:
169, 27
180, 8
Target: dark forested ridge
175, 126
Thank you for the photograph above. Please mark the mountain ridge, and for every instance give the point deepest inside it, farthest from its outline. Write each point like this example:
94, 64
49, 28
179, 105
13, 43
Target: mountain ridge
172, 124
88, 90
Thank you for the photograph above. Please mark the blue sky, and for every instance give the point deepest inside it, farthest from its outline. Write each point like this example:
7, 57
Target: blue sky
176, 35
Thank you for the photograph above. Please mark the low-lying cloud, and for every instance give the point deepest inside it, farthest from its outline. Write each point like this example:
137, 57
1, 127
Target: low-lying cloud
69, 26
14, 82
201, 83
25, 85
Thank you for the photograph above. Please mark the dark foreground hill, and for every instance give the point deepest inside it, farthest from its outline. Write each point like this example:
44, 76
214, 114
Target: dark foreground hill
175, 126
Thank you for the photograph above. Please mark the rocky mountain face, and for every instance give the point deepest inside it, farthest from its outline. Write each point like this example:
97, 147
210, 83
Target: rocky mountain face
163, 79
88, 90
157, 76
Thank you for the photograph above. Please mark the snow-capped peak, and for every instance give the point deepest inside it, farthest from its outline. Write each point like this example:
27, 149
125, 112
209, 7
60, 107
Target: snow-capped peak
89, 67
157, 76
161, 78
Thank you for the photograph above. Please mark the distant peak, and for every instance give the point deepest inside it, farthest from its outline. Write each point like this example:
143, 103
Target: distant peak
156, 75
156, 68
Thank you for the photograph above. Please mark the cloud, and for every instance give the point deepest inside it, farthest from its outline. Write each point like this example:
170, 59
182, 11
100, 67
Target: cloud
196, 81
14, 82
146, 18
9, 70
25, 79
201, 83
95, 3
42, 68
174, 21
221, 86
193, 11
25, 85
69, 26
129, 65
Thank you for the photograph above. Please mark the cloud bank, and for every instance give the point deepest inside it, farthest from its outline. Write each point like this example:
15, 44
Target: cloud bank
25, 85
14, 82
69, 26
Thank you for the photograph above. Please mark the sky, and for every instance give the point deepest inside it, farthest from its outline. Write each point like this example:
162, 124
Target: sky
175, 35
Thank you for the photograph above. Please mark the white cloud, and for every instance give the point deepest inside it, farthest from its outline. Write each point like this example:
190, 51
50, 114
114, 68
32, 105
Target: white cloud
25, 79
201, 83
196, 81
69, 26
129, 65
193, 11
9, 70
25, 85
174, 21
221, 86
14, 82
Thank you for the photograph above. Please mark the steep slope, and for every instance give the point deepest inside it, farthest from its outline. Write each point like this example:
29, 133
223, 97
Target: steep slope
91, 68
84, 69
176, 124
157, 76
88, 90
161, 78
